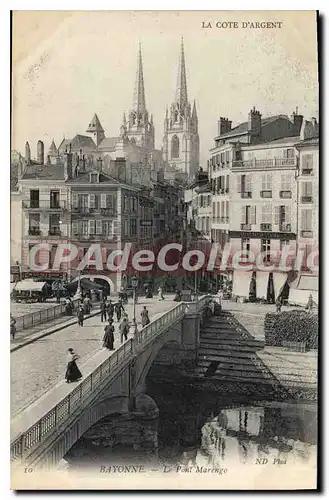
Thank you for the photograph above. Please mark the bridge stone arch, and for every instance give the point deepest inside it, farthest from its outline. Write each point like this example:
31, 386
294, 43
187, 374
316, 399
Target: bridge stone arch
97, 276
146, 358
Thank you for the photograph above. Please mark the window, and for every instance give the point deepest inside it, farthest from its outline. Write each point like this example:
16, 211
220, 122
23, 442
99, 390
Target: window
107, 228
227, 211
266, 214
83, 227
266, 182
289, 153
282, 217
284, 243
34, 198
307, 163
83, 201
34, 224
175, 147
92, 227
306, 191
94, 178
248, 214
227, 156
54, 224
54, 199
244, 184
266, 248
227, 183
306, 220
245, 244
286, 182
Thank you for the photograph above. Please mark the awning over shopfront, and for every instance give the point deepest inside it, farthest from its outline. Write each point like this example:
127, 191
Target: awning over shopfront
262, 284
241, 283
279, 280
301, 289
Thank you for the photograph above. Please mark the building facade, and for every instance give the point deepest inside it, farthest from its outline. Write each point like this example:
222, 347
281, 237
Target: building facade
256, 179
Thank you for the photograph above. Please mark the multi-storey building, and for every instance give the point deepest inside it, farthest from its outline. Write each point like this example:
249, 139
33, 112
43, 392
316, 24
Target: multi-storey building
198, 201
255, 200
308, 188
63, 204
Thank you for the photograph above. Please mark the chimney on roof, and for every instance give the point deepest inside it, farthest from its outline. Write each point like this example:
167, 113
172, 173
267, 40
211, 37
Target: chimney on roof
40, 153
27, 153
297, 121
254, 124
68, 165
224, 125
99, 163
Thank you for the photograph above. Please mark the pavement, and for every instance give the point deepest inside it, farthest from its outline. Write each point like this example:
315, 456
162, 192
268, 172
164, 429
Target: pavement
41, 364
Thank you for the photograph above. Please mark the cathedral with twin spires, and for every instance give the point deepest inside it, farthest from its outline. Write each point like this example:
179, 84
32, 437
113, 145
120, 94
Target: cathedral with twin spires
177, 159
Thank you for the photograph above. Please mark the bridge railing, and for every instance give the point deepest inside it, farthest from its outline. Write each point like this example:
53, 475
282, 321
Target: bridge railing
157, 326
39, 317
43, 427
34, 436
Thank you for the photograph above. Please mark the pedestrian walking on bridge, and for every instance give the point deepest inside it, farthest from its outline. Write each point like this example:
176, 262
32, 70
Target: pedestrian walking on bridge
12, 326
108, 339
145, 317
80, 315
72, 373
119, 309
124, 329
103, 310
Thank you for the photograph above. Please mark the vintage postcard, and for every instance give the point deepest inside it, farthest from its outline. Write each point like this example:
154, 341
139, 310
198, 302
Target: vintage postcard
164, 250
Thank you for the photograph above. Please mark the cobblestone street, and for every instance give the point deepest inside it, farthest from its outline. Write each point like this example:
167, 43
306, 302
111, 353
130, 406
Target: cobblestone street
38, 366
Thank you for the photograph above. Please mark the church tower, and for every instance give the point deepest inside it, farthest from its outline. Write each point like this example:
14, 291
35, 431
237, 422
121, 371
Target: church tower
181, 137
96, 129
139, 128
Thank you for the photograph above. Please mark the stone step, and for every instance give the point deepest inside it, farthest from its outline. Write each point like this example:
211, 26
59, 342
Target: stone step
220, 338
240, 377
206, 354
230, 364
224, 346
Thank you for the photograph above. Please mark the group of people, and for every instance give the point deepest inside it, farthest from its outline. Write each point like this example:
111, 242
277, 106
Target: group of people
107, 310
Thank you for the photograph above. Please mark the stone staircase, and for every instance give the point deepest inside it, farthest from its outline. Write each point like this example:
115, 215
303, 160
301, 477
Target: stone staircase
227, 352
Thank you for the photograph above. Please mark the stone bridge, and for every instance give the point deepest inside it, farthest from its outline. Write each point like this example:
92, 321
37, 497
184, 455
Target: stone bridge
43, 433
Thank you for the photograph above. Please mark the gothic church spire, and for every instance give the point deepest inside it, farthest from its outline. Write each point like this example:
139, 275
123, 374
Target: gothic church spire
139, 94
181, 87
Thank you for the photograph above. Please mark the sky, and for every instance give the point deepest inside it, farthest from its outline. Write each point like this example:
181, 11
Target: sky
69, 65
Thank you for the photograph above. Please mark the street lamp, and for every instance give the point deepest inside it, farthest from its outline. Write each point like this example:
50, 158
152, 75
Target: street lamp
134, 284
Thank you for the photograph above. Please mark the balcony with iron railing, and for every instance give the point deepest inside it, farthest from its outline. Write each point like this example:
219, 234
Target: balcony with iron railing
266, 194
85, 211
246, 194
307, 171
305, 233
245, 226
265, 163
55, 231
265, 226
94, 237
306, 199
285, 227
34, 231
44, 205
285, 194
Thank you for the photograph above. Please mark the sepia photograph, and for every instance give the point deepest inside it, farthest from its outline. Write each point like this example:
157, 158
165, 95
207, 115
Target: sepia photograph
164, 250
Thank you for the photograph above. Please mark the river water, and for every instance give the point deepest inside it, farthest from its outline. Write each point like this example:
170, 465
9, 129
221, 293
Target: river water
199, 429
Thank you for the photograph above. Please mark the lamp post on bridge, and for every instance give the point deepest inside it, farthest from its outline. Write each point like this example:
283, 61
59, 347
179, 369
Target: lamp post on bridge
134, 284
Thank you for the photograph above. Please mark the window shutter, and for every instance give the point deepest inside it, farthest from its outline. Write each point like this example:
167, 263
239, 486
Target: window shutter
91, 201
253, 214
309, 189
98, 226
288, 182
91, 227
75, 228
103, 200
269, 182
243, 215
276, 214
104, 255
115, 227
227, 182
75, 200
288, 214
263, 182
309, 223
239, 183
227, 209
248, 184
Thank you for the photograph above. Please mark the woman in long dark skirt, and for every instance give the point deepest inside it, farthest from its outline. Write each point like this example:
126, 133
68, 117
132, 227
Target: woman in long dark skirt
73, 373
108, 339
